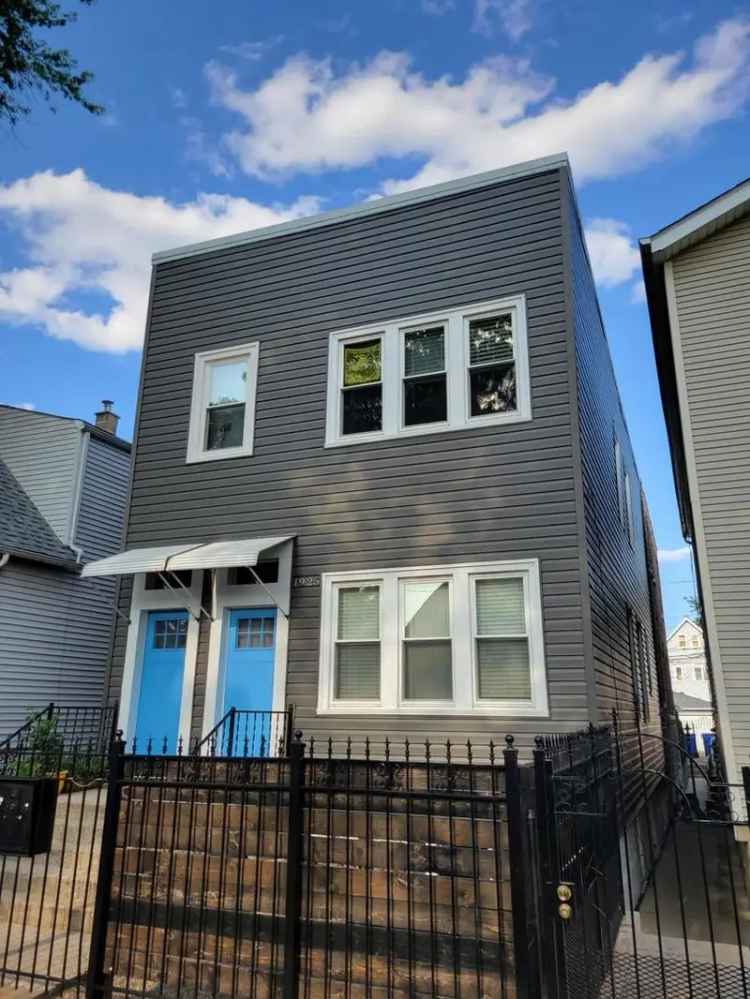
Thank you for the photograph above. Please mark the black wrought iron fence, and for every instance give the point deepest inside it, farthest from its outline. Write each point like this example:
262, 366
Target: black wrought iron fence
343, 868
248, 733
52, 799
56, 729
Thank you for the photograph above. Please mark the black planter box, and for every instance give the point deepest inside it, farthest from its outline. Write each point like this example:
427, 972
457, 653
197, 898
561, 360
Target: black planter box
27, 814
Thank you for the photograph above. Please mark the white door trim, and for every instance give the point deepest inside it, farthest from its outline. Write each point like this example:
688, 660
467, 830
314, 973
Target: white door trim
226, 598
143, 601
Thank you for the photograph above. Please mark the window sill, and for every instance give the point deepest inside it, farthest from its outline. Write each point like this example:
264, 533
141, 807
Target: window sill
429, 428
509, 710
219, 455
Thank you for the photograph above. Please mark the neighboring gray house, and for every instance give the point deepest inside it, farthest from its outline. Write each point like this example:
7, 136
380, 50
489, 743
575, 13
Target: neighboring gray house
385, 451
697, 273
63, 493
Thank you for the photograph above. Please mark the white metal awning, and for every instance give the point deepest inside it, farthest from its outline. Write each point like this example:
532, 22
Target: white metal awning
224, 554
135, 560
172, 558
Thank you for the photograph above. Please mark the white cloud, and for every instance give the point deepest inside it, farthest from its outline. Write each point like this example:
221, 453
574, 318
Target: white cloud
614, 256
673, 554
514, 17
307, 116
80, 237
253, 51
26, 405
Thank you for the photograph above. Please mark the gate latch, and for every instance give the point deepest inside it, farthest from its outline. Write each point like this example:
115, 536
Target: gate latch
564, 896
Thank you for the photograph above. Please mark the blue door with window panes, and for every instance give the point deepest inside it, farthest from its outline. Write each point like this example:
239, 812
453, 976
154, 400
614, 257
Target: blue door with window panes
158, 719
248, 660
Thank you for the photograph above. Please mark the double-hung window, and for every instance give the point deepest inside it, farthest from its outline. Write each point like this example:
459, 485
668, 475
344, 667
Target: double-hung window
362, 386
427, 648
425, 384
629, 527
222, 409
492, 365
357, 643
457, 639
501, 639
448, 370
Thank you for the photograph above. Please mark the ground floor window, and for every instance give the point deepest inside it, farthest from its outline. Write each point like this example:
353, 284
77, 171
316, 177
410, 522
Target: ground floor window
454, 639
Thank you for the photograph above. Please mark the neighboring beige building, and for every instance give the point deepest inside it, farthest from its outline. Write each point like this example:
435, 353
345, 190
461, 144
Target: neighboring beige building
697, 275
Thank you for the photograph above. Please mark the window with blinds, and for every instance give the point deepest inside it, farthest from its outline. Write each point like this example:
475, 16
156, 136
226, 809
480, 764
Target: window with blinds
451, 639
425, 379
357, 674
492, 365
449, 370
502, 645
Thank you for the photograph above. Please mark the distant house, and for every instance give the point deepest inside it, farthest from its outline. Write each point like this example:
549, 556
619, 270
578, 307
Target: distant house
697, 274
691, 685
63, 492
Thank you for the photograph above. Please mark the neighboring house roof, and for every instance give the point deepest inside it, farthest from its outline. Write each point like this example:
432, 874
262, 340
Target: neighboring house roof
686, 702
23, 530
367, 208
657, 250
681, 625
701, 222
119, 442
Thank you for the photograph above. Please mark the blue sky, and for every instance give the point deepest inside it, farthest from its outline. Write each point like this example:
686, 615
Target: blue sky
224, 118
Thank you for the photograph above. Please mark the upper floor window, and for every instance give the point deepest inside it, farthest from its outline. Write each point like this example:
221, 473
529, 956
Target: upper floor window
620, 479
682, 641
222, 410
445, 371
629, 509
437, 640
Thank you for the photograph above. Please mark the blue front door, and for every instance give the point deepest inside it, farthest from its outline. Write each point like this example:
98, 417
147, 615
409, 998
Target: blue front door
161, 681
248, 660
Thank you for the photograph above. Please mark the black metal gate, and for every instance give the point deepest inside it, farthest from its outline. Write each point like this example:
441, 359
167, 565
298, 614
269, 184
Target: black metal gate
643, 891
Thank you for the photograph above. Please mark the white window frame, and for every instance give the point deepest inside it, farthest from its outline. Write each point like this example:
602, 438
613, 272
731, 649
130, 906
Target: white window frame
424, 704
455, 322
629, 524
619, 472
465, 684
196, 450
532, 607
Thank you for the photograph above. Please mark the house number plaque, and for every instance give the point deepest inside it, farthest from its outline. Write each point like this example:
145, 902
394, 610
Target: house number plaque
306, 581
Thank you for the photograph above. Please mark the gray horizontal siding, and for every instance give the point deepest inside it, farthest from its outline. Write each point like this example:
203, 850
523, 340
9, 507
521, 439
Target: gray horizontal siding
712, 289
484, 494
42, 452
50, 647
56, 628
616, 570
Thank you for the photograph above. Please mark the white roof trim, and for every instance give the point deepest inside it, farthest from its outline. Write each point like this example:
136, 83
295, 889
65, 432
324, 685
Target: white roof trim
171, 558
700, 223
683, 622
367, 208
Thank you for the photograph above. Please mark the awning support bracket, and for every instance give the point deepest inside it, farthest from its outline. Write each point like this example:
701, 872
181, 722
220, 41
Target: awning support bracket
178, 581
123, 617
260, 582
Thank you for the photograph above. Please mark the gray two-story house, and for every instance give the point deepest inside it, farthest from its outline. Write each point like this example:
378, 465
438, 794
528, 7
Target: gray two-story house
63, 494
382, 473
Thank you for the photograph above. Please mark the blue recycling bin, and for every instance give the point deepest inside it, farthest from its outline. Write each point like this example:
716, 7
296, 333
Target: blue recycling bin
709, 740
691, 744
